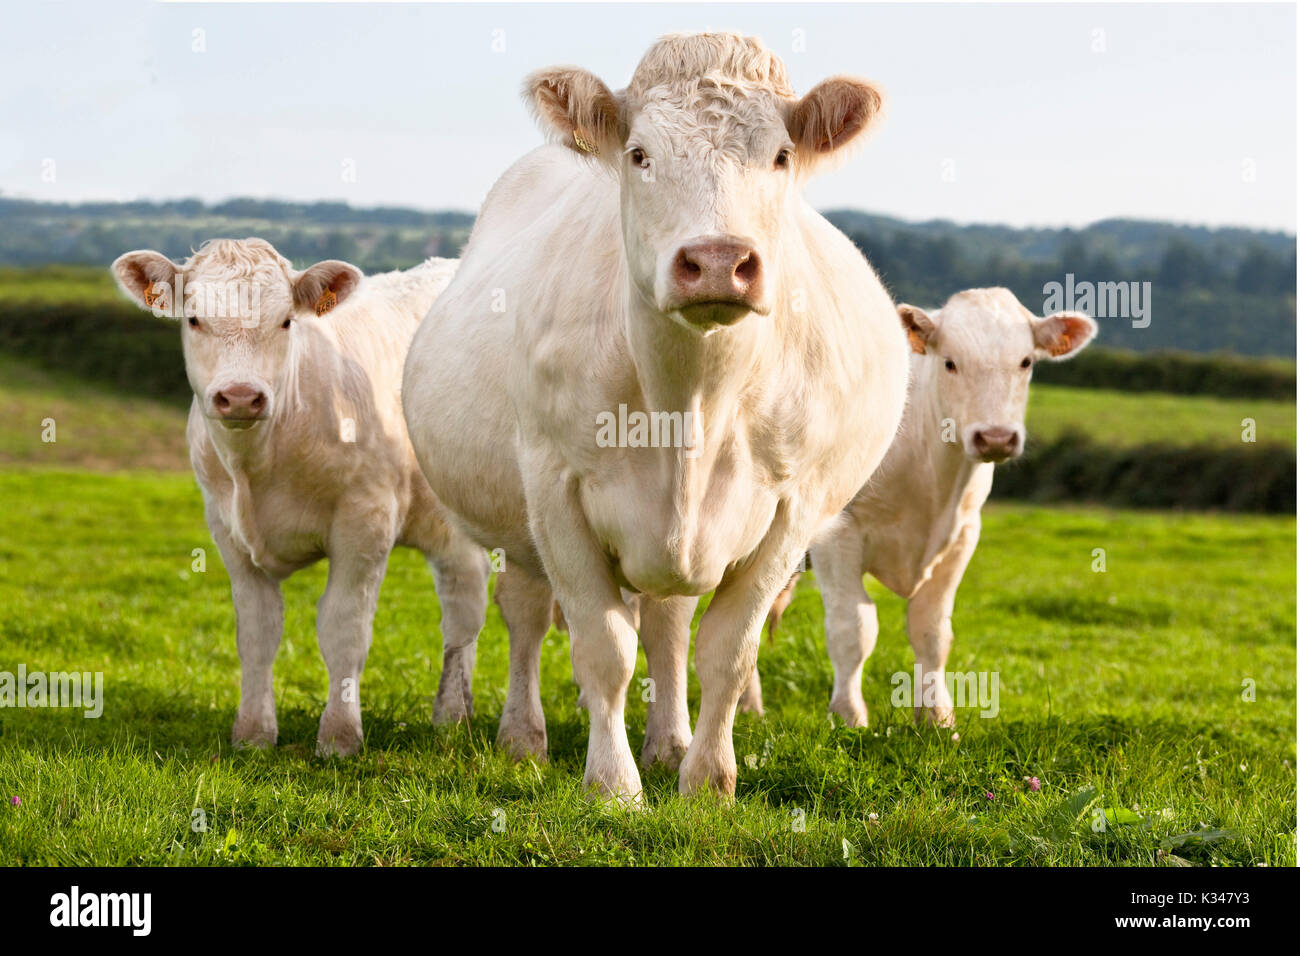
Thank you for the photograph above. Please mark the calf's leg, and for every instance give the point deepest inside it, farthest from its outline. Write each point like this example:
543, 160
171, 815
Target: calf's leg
929, 628
851, 623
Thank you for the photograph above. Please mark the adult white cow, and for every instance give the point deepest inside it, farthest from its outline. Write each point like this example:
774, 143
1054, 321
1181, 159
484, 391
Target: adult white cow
297, 438
915, 525
659, 263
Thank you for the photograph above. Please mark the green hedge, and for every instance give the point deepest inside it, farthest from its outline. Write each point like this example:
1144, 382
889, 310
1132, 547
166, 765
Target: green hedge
117, 345
1178, 373
1075, 468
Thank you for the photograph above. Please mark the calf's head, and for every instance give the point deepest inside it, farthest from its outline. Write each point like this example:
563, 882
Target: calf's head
238, 302
710, 146
983, 345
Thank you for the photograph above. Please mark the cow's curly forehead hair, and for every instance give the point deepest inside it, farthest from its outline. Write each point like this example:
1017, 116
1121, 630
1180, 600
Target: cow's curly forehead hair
720, 63
252, 260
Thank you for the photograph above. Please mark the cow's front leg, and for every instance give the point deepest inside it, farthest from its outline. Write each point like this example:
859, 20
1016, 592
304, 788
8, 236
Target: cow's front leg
602, 635
460, 574
726, 651
344, 620
851, 622
259, 625
929, 628
666, 637
526, 606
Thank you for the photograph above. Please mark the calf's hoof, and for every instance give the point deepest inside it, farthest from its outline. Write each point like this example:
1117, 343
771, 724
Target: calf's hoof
452, 709
616, 785
853, 712
751, 702
339, 736
251, 732
523, 741
664, 750
936, 716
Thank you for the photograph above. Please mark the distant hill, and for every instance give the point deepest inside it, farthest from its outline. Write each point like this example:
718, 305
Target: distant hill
1210, 289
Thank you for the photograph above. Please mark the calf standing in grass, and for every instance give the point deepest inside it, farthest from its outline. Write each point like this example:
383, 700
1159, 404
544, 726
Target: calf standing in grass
914, 526
297, 438
659, 260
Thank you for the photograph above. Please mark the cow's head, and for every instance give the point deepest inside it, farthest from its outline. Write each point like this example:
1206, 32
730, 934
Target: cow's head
983, 345
710, 146
238, 302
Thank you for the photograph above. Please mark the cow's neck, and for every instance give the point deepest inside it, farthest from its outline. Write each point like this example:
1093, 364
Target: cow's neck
680, 370
246, 456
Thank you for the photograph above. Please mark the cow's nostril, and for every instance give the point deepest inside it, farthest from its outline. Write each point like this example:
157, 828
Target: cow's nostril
222, 403
747, 270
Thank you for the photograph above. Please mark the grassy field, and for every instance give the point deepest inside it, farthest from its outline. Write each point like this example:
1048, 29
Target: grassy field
1124, 693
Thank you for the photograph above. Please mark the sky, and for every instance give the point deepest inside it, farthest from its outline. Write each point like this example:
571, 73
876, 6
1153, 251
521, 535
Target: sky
1045, 115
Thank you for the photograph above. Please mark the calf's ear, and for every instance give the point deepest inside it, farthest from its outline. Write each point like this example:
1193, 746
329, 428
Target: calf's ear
918, 325
1062, 335
577, 109
146, 276
832, 114
325, 285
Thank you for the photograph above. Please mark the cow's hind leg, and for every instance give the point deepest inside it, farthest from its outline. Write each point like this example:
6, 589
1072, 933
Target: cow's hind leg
929, 628
851, 622
460, 575
666, 637
525, 603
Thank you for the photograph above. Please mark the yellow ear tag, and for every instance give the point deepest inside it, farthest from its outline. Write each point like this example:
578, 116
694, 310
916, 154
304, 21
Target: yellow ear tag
150, 296
326, 301
584, 144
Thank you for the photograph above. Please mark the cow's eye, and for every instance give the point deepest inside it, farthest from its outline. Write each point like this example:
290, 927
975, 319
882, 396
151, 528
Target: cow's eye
782, 159
194, 323
1025, 363
638, 157
285, 323
950, 365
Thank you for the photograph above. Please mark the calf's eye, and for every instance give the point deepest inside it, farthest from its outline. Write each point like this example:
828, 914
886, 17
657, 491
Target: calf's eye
950, 365
194, 323
782, 159
285, 323
1025, 363
638, 157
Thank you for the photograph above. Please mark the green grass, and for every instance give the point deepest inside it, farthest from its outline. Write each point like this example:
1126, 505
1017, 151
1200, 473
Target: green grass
1120, 691
1137, 418
94, 427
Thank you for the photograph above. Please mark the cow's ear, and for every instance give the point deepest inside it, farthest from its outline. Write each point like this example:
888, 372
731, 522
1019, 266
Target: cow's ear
146, 276
325, 285
918, 325
577, 109
832, 115
1061, 336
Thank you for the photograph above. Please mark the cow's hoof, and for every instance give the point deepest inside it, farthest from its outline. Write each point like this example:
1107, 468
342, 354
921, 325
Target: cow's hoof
936, 716
523, 741
452, 711
853, 713
339, 736
250, 732
664, 750
619, 787
700, 776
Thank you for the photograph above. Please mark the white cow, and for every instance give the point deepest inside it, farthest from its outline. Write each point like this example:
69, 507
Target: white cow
915, 525
659, 262
297, 438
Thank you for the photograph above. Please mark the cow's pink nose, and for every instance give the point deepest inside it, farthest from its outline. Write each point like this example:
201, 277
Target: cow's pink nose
996, 444
240, 403
717, 272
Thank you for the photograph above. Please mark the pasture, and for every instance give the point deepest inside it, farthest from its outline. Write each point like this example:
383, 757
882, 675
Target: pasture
1126, 693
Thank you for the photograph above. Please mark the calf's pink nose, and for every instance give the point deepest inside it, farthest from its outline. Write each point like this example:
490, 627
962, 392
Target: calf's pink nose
239, 402
997, 442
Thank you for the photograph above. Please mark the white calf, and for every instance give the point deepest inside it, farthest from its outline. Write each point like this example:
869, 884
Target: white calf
297, 438
915, 525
